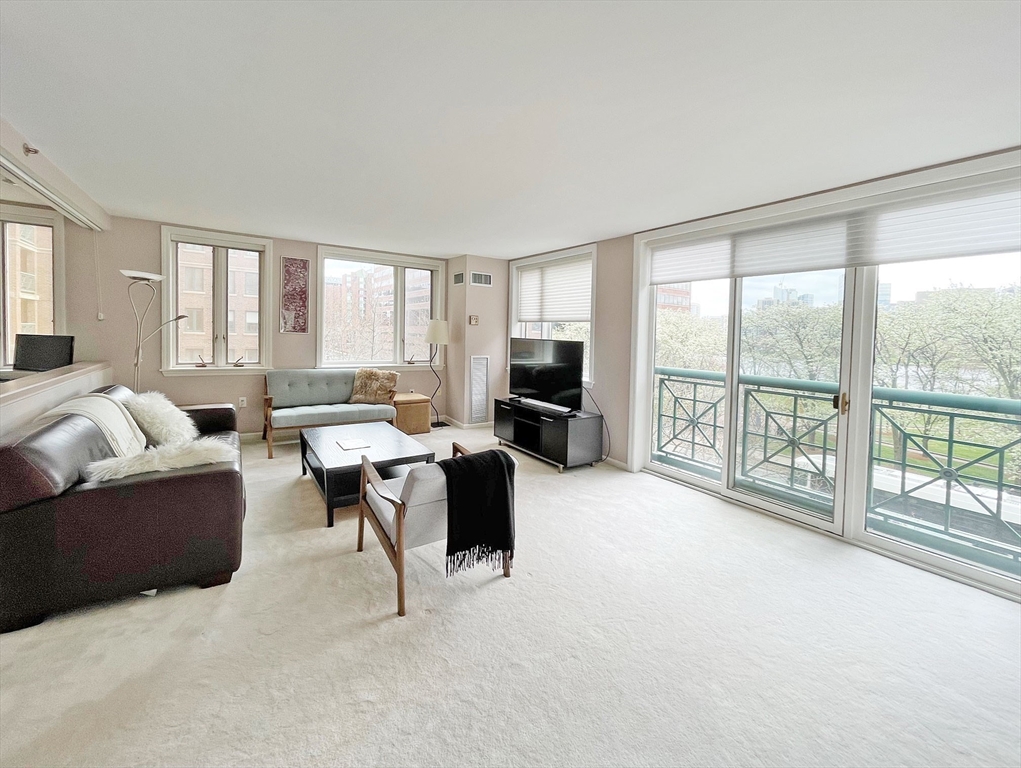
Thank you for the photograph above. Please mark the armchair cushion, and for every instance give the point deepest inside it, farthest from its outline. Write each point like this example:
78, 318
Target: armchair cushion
425, 520
317, 386
343, 413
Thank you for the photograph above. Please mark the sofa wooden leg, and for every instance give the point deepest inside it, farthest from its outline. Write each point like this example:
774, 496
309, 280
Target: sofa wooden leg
216, 580
269, 441
506, 564
361, 527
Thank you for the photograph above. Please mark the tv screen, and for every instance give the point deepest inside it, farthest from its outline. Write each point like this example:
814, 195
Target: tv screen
548, 371
42, 353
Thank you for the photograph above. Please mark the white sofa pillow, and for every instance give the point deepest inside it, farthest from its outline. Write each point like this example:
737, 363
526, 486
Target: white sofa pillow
207, 450
162, 422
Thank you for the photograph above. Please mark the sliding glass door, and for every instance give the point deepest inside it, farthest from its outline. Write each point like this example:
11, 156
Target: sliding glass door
787, 422
944, 457
762, 417
689, 418
851, 361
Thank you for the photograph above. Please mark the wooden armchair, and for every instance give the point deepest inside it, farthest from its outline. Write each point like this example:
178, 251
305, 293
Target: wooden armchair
406, 512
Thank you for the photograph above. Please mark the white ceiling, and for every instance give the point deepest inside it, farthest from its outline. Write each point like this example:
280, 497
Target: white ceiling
497, 129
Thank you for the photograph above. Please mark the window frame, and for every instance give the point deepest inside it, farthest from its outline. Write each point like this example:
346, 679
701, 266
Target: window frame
21, 214
515, 328
220, 242
861, 291
399, 262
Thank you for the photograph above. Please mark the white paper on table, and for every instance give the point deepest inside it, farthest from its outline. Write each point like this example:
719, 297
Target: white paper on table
350, 445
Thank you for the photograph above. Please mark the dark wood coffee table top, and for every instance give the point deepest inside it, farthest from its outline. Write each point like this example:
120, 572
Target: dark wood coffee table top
387, 446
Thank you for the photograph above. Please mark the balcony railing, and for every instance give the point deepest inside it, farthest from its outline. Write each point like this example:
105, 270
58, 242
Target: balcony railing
944, 470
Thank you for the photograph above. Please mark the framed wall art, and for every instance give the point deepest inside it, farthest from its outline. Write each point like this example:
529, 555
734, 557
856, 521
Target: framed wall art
294, 295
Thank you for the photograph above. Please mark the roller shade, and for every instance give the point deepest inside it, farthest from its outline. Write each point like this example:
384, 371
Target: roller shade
967, 227
556, 291
973, 215
798, 248
696, 261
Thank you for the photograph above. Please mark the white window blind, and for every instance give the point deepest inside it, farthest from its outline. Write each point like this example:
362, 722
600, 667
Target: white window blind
977, 214
966, 227
556, 292
691, 261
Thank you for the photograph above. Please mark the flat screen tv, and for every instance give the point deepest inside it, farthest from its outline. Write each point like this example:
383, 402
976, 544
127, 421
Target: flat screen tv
35, 352
547, 371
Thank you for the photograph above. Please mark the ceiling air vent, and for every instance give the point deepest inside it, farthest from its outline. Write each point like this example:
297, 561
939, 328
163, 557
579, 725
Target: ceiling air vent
482, 278
459, 278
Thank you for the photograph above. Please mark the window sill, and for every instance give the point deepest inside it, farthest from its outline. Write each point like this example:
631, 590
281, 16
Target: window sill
382, 366
245, 370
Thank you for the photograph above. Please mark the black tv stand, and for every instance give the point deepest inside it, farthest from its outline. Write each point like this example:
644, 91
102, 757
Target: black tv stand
563, 439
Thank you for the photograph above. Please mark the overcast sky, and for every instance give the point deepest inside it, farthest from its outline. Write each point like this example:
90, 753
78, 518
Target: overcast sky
905, 280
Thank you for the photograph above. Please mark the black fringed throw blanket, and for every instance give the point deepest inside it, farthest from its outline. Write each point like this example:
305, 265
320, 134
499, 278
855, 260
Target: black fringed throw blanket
480, 509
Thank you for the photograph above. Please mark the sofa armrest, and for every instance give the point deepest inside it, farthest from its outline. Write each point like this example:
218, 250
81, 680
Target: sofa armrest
218, 417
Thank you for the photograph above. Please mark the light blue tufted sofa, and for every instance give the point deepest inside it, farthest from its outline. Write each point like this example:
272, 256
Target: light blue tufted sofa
315, 397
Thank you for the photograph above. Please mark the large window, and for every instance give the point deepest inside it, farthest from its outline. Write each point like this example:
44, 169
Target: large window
218, 282
552, 298
691, 321
375, 308
860, 370
28, 277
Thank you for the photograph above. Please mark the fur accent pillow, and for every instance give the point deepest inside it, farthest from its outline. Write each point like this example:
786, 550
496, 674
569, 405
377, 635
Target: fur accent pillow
373, 386
162, 422
207, 450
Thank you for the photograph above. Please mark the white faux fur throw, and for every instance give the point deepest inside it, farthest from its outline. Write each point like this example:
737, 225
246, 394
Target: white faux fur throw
162, 422
111, 417
206, 450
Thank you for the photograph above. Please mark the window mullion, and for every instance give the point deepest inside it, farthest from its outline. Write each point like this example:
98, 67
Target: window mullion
219, 306
398, 317
5, 354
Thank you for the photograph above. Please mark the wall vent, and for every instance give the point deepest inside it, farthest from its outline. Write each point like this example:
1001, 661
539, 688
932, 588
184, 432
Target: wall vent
479, 390
482, 278
459, 278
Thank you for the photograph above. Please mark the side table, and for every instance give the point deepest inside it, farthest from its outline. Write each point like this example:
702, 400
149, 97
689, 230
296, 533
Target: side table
413, 413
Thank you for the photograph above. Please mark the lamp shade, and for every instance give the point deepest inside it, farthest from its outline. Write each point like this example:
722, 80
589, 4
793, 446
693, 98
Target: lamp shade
148, 277
437, 332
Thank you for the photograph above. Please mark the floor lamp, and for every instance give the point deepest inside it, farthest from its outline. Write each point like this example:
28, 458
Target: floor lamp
147, 279
436, 334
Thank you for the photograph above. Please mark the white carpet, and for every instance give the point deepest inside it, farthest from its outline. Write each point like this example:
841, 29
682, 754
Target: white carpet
645, 624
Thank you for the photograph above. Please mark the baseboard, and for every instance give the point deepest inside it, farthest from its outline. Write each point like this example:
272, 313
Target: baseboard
617, 464
459, 425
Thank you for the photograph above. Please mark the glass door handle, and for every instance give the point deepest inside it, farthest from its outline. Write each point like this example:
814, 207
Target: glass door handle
842, 401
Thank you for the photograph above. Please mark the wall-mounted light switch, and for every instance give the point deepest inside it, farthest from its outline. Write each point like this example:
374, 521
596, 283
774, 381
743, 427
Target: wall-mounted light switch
473, 319
242, 402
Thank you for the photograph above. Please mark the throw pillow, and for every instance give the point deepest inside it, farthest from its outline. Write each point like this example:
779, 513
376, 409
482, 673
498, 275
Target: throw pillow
162, 422
373, 386
162, 458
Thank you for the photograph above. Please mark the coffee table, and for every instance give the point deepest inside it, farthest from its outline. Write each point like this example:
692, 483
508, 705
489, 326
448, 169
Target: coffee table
337, 473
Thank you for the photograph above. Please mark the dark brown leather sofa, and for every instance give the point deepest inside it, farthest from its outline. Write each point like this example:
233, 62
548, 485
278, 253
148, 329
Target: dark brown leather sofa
65, 542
